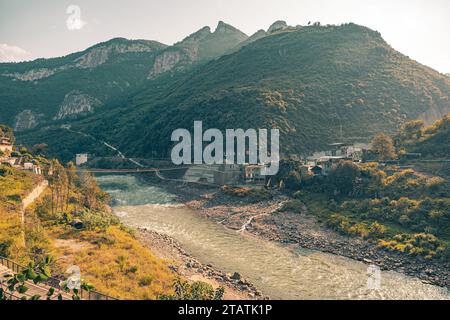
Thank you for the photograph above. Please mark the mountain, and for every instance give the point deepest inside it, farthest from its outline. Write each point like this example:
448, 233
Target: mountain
313, 83
45, 91
200, 46
40, 91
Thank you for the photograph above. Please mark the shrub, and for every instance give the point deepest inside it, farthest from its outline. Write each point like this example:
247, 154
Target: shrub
364, 230
292, 206
145, 281
422, 244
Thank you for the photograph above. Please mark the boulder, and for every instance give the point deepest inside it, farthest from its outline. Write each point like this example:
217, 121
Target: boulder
236, 276
77, 224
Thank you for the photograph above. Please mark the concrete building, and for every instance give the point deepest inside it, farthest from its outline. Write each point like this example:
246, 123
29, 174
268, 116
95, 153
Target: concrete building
81, 158
228, 174
32, 167
252, 174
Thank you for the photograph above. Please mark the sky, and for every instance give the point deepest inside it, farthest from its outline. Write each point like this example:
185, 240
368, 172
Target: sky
48, 28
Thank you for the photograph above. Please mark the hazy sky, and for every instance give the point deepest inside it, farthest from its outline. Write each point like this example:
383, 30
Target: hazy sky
39, 28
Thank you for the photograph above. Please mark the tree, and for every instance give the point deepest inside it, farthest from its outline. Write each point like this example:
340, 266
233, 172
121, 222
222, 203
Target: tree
383, 146
344, 177
293, 180
39, 148
412, 129
7, 132
72, 180
58, 182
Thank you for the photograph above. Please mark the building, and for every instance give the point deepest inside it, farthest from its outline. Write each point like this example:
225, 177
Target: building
81, 158
6, 145
11, 161
28, 166
32, 167
228, 174
327, 163
253, 174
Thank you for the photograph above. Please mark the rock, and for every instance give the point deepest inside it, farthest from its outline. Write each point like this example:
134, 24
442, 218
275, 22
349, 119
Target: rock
77, 224
236, 276
26, 120
32, 75
277, 25
173, 268
76, 103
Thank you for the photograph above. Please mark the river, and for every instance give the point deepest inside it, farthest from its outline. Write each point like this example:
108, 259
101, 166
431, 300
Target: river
278, 271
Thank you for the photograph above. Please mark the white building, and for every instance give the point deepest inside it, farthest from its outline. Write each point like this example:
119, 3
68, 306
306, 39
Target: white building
81, 158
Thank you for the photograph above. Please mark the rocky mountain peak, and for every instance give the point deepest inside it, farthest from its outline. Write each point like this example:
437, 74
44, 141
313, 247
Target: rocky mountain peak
223, 27
277, 26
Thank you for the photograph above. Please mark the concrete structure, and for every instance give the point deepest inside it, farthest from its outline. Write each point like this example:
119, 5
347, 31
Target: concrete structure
252, 174
32, 167
81, 158
228, 174
327, 163
200, 173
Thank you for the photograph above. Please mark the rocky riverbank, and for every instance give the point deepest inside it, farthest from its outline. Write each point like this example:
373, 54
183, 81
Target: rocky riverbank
300, 229
187, 266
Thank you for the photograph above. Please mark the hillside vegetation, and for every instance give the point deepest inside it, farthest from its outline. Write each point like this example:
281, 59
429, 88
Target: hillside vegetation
49, 91
33, 93
309, 82
108, 254
431, 142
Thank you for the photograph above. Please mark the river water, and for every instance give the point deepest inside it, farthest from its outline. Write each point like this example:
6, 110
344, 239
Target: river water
278, 271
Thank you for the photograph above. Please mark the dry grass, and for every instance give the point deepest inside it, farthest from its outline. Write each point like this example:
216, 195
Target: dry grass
112, 259
114, 262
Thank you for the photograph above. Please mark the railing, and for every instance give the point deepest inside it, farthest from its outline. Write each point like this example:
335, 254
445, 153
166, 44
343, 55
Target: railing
54, 282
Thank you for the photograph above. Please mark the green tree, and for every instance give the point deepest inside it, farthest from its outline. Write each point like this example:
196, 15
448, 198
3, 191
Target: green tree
383, 147
344, 177
7, 132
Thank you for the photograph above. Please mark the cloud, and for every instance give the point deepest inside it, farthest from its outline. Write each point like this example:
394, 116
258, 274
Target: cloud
74, 21
12, 53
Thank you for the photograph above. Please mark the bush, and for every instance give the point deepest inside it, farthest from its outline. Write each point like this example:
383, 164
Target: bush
196, 291
5, 171
422, 244
250, 194
364, 230
292, 206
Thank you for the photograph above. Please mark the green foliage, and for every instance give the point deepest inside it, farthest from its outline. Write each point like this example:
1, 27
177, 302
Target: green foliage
249, 194
196, 291
44, 96
362, 229
292, 206
422, 244
5, 171
344, 177
383, 147
431, 142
